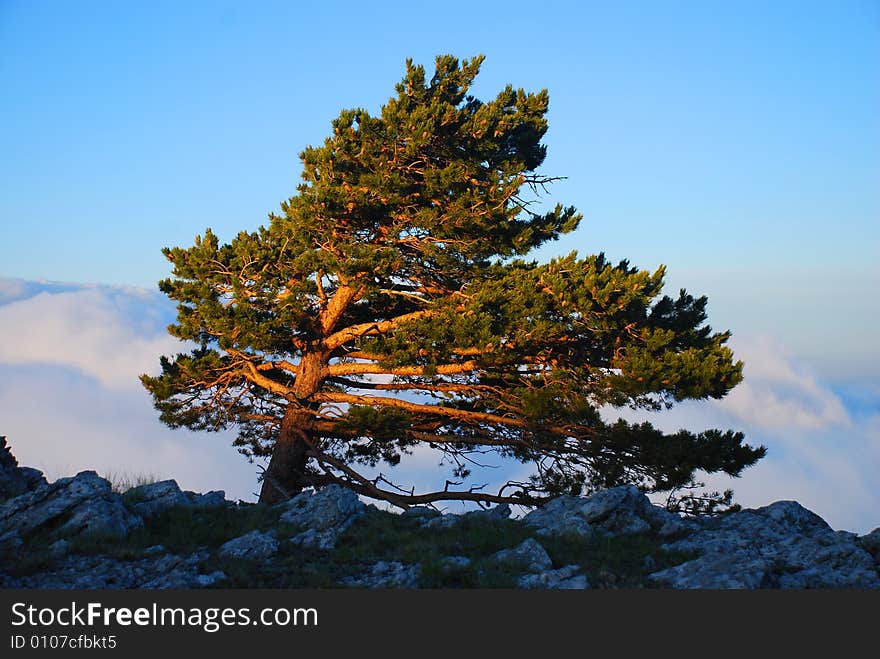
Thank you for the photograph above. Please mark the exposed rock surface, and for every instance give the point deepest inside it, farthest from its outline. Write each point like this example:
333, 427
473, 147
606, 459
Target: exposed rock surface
15, 480
615, 511
530, 555
871, 543
252, 546
498, 512
323, 515
153, 498
452, 563
79, 505
91, 572
387, 574
560, 516
565, 578
449, 521
421, 512
782, 545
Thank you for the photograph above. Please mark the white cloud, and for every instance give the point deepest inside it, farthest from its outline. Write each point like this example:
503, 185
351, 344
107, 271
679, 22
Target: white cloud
779, 393
19, 289
70, 398
62, 422
111, 334
11, 289
818, 453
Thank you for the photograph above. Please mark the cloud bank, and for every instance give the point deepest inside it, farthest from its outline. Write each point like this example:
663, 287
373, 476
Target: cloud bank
822, 452
70, 400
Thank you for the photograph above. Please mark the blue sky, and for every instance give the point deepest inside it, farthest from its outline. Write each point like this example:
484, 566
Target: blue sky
737, 143
694, 134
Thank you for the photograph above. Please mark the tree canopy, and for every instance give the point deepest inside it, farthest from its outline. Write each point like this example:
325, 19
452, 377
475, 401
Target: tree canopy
391, 304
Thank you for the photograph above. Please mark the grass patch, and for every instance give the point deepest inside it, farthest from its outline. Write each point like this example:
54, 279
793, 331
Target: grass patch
380, 536
122, 481
291, 567
608, 562
613, 562
183, 530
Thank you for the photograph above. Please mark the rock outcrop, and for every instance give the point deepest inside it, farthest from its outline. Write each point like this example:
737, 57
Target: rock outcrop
615, 511
565, 578
15, 480
782, 545
529, 555
322, 515
439, 521
79, 505
871, 543
252, 546
531, 558
154, 498
387, 574
92, 572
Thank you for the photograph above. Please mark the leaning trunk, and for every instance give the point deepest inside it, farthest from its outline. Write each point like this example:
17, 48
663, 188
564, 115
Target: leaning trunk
286, 474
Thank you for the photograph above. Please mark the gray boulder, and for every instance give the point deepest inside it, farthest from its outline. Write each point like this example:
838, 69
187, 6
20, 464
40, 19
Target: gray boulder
154, 498
560, 516
170, 571
498, 512
79, 572
615, 511
782, 545
440, 521
421, 513
15, 480
323, 515
79, 505
255, 545
619, 511
871, 544
7, 460
719, 571
831, 576
565, 578
212, 499
387, 574
529, 555
454, 563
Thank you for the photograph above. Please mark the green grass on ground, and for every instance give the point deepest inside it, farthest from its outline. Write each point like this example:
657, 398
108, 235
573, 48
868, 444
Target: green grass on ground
619, 562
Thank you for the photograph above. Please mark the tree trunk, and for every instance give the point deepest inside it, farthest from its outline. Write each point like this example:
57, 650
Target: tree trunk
286, 475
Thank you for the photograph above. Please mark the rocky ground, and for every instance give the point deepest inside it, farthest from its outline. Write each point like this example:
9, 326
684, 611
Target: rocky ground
78, 533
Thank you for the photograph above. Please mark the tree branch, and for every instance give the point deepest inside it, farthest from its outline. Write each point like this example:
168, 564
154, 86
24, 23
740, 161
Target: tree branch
375, 369
450, 412
337, 305
371, 329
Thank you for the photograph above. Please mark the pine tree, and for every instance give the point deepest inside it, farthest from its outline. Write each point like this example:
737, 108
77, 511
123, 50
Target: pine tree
391, 305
